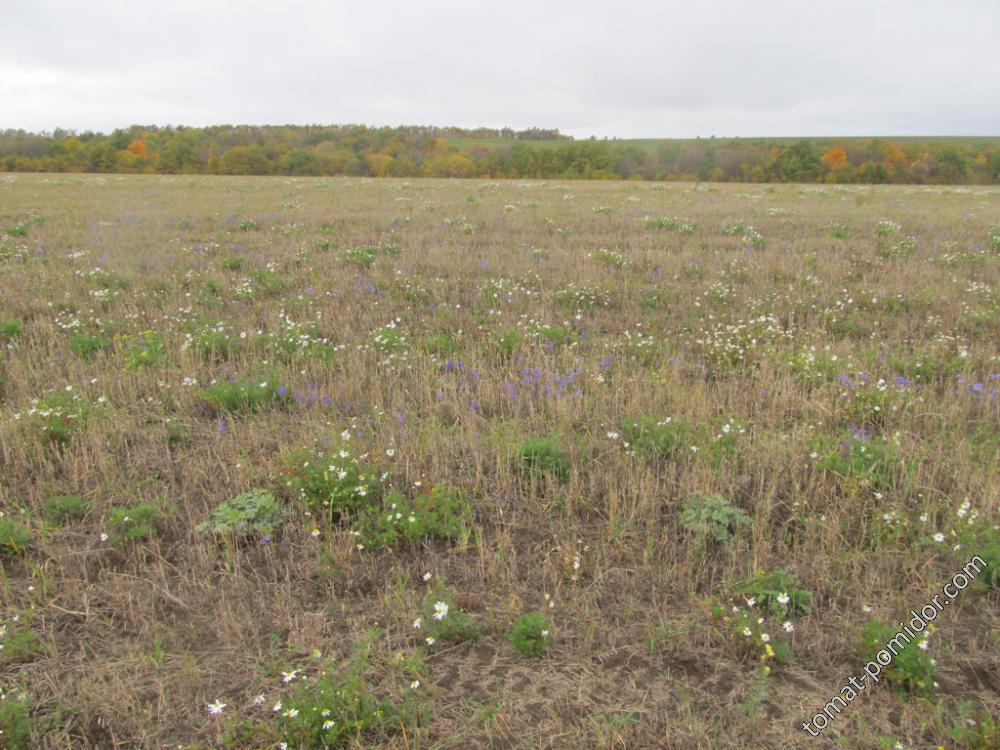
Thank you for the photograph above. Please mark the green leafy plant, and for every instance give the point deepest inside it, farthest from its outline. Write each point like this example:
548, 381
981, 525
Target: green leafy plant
530, 634
10, 329
445, 623
253, 512
974, 727
331, 484
57, 417
19, 643
712, 516
912, 668
15, 719
778, 593
648, 437
244, 394
63, 509
336, 709
147, 351
134, 523
14, 536
543, 455
438, 513
235, 263
86, 346
868, 460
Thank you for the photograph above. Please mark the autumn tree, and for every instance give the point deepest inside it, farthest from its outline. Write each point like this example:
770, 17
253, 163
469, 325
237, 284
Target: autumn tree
834, 158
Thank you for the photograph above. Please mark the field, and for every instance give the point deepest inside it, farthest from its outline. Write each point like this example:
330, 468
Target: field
461, 464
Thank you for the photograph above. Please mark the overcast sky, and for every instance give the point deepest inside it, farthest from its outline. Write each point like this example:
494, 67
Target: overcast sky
614, 68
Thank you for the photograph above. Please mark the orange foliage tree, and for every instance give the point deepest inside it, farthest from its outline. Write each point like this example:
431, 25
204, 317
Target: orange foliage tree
835, 157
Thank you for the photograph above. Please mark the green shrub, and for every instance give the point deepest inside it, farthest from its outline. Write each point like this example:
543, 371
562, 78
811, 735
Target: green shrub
439, 513
86, 346
14, 536
362, 256
441, 345
134, 523
253, 512
330, 484
19, 642
530, 634
15, 719
912, 668
63, 509
337, 709
446, 624
542, 455
612, 258
778, 593
268, 283
507, 343
177, 433
213, 340
57, 417
648, 437
295, 340
235, 263
147, 351
871, 461
712, 516
10, 329
244, 395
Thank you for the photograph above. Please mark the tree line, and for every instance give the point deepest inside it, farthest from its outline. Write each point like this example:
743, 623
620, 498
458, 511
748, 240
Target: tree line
417, 151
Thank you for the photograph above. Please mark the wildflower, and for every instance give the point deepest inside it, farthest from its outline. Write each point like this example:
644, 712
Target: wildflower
418, 622
415, 684
216, 708
939, 537
328, 724
291, 713
765, 638
289, 676
788, 627
783, 598
430, 640
440, 610
390, 452
426, 576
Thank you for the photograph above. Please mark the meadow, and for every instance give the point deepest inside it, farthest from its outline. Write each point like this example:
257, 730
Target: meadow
356, 463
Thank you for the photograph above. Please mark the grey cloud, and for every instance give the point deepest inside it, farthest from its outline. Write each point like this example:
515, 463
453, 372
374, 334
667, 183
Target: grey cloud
628, 68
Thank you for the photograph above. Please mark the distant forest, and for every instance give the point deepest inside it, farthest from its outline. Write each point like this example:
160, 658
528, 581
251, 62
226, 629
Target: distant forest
492, 153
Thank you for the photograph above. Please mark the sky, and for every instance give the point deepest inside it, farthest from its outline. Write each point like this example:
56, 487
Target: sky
618, 68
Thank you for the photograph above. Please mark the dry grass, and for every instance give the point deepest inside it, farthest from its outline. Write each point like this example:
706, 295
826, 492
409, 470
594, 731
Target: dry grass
136, 638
